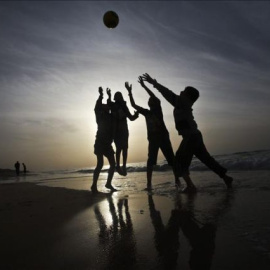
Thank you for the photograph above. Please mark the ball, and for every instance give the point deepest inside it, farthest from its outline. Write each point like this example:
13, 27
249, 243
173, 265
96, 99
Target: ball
111, 19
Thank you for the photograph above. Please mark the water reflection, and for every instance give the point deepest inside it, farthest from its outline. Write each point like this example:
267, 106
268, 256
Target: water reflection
201, 236
165, 237
117, 240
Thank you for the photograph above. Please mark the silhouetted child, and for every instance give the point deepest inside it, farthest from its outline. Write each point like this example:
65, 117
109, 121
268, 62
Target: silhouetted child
192, 143
17, 167
103, 143
157, 133
120, 113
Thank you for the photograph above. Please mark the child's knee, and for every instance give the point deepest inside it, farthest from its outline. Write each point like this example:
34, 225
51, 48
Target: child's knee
99, 167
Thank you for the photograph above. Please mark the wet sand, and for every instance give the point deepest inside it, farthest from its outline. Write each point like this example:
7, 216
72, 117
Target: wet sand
45, 227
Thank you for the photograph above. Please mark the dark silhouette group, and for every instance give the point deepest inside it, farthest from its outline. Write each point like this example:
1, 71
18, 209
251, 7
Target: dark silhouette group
17, 166
112, 125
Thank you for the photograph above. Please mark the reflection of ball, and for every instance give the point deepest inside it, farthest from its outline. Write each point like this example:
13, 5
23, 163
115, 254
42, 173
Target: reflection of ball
111, 19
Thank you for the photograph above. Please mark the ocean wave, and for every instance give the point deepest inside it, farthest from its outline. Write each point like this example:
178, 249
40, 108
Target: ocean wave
253, 160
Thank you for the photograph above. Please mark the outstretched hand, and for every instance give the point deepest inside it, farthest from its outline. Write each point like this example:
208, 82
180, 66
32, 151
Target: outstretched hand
108, 90
100, 90
128, 87
146, 77
140, 81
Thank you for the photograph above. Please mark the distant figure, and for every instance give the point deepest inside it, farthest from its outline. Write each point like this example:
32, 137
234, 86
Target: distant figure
17, 166
157, 133
120, 113
192, 143
24, 168
103, 142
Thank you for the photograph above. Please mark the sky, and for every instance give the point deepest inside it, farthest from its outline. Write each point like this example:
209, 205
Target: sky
55, 54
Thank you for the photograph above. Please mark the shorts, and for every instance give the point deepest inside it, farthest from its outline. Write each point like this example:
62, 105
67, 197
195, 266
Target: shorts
121, 140
193, 145
164, 144
101, 148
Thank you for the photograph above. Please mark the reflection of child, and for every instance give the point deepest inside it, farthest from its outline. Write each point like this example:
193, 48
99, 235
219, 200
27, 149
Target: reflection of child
157, 133
201, 239
192, 143
120, 113
103, 143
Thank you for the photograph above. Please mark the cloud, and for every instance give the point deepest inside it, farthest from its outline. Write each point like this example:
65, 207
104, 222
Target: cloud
54, 56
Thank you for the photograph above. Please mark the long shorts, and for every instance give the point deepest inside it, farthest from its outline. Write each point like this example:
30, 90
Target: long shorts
164, 144
121, 140
101, 148
193, 145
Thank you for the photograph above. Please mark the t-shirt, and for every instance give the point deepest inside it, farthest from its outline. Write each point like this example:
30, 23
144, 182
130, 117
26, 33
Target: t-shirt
104, 123
154, 121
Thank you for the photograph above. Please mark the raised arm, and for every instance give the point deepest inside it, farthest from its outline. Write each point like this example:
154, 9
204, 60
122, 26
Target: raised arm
130, 116
132, 102
99, 100
109, 100
170, 96
141, 82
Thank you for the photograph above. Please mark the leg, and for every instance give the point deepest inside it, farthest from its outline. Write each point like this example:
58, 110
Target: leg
183, 158
97, 172
167, 150
118, 154
125, 154
124, 145
149, 176
203, 155
110, 172
190, 188
153, 147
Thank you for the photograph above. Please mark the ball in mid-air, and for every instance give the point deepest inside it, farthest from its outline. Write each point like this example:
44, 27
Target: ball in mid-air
111, 19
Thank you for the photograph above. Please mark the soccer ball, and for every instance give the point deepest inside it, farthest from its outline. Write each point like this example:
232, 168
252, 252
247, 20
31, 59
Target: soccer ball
111, 19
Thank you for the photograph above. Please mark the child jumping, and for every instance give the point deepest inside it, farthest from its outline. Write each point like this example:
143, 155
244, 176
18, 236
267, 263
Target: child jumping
192, 143
103, 143
157, 133
120, 113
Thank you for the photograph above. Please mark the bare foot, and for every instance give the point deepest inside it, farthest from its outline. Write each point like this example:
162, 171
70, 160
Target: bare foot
228, 181
109, 186
177, 184
189, 190
94, 189
124, 171
119, 170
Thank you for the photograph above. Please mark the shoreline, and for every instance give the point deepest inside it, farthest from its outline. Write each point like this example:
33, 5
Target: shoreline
50, 227
32, 218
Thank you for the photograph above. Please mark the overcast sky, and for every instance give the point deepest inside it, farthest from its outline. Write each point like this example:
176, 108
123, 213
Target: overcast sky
55, 55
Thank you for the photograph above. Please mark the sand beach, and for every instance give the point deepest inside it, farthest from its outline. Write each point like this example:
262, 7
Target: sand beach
60, 224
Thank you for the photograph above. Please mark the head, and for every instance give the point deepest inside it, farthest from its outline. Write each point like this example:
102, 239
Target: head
191, 93
118, 96
152, 102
